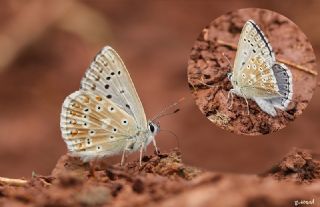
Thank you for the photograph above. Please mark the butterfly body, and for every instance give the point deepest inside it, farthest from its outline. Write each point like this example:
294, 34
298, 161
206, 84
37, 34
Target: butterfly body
256, 75
105, 117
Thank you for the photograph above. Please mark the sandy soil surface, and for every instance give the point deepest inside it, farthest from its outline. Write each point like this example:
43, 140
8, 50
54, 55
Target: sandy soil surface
208, 68
154, 38
163, 180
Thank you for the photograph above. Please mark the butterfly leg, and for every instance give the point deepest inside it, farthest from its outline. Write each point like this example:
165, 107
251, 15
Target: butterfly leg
92, 168
247, 105
123, 157
230, 95
155, 146
141, 153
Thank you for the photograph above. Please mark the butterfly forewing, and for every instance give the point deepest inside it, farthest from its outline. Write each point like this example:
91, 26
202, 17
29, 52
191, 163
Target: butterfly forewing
252, 42
108, 76
91, 123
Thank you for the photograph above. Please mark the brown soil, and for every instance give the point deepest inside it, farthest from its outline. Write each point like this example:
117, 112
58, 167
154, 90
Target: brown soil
208, 68
163, 180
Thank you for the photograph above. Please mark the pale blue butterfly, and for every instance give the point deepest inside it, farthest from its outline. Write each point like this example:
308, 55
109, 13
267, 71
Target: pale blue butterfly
106, 117
256, 75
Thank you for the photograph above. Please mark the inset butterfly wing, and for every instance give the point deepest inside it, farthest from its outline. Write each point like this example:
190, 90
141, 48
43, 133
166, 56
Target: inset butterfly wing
252, 42
108, 76
256, 79
94, 126
285, 84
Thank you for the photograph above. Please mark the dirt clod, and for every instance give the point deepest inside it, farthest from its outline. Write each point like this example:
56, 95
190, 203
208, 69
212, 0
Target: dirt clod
298, 166
165, 181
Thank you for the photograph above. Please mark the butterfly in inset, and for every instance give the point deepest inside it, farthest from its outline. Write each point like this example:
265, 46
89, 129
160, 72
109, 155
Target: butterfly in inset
106, 117
256, 75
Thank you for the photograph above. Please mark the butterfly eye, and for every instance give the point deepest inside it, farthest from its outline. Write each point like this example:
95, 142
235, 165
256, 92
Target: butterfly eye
151, 127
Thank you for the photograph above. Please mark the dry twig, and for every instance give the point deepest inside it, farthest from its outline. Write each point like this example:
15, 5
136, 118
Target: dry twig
13, 182
299, 67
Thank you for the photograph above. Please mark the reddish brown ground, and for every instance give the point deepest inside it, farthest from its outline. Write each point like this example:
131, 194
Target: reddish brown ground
164, 180
154, 38
207, 71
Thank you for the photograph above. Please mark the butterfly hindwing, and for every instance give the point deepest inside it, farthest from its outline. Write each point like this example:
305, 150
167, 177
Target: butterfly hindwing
284, 82
266, 106
108, 75
257, 79
92, 123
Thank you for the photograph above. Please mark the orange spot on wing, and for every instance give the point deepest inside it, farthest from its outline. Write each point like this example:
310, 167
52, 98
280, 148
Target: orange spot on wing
85, 99
74, 132
98, 98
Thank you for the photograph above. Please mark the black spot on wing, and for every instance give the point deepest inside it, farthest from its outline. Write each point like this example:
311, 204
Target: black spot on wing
263, 37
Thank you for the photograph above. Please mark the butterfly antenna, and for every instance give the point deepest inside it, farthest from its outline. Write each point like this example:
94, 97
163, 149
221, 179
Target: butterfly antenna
165, 112
203, 83
173, 134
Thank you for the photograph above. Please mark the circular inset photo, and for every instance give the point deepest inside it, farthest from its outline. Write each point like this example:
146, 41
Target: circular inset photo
252, 71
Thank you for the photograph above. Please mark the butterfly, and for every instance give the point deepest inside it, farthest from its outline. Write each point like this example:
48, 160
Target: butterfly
256, 75
106, 117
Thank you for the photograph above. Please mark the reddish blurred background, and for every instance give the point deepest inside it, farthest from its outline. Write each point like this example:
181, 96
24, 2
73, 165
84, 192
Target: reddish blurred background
45, 47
